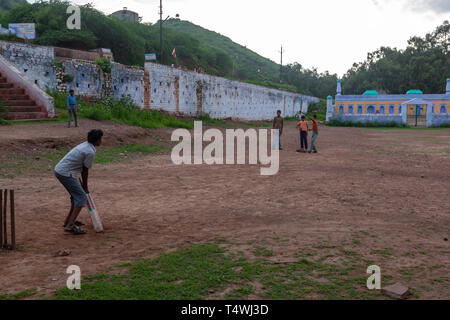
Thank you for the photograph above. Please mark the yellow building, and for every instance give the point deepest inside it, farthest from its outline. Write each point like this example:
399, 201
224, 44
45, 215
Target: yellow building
413, 108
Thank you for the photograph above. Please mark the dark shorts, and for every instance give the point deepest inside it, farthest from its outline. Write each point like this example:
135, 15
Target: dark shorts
78, 197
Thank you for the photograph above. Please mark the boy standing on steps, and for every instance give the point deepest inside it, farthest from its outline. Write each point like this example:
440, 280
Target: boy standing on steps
72, 108
303, 125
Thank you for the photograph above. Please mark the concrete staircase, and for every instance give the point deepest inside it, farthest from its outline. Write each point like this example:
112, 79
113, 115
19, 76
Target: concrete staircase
19, 105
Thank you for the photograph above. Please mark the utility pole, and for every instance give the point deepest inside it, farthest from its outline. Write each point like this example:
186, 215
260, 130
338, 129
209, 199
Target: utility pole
161, 59
281, 64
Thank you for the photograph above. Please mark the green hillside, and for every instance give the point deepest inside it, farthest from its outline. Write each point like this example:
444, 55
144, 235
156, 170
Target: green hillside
424, 64
246, 62
6, 5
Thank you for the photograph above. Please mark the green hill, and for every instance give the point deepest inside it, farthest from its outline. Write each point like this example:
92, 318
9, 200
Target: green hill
6, 5
246, 62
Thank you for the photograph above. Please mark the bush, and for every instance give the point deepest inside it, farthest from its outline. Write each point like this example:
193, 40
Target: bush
58, 64
3, 114
67, 78
336, 122
443, 125
121, 111
104, 64
10, 37
75, 39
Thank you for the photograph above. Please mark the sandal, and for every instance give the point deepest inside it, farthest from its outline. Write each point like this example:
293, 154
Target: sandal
77, 223
75, 231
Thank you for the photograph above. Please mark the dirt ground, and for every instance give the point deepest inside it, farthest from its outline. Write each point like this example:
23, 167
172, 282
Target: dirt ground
383, 194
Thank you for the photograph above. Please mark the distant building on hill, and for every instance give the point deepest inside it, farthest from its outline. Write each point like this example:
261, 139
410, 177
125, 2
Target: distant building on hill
126, 15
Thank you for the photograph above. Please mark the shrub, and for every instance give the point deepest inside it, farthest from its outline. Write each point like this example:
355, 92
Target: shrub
3, 114
67, 78
122, 111
336, 122
104, 64
58, 64
443, 125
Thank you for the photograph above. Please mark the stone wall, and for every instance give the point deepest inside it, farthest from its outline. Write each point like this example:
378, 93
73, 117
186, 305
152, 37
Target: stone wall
34, 62
155, 87
88, 78
128, 81
192, 93
440, 119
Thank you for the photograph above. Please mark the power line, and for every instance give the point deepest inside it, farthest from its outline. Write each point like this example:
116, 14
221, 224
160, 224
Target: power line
161, 32
281, 64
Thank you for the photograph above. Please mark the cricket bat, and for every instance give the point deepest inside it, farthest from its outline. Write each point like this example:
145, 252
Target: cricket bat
95, 217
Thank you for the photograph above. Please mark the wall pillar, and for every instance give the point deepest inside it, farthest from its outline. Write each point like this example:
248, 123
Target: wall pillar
404, 113
429, 115
147, 89
329, 108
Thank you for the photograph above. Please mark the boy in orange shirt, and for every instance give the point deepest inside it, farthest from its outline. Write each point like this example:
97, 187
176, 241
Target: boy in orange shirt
303, 125
315, 130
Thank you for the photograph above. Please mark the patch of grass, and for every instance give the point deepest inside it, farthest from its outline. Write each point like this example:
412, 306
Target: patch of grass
185, 274
17, 164
348, 252
240, 293
384, 252
19, 295
195, 272
438, 280
437, 267
125, 265
262, 252
122, 111
118, 153
3, 114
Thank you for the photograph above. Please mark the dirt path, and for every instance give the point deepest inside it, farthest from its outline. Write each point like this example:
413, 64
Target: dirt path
382, 194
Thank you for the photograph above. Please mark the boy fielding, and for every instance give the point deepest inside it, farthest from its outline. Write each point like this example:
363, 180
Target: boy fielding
78, 161
315, 130
303, 126
278, 124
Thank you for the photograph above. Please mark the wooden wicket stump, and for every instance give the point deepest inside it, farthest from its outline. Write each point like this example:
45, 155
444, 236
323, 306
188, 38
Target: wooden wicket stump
4, 244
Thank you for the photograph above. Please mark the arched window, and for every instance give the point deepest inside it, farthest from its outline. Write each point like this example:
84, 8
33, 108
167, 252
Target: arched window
391, 108
382, 109
371, 109
443, 108
360, 109
341, 108
350, 109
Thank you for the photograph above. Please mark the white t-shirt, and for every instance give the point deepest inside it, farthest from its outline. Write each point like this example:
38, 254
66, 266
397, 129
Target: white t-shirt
72, 164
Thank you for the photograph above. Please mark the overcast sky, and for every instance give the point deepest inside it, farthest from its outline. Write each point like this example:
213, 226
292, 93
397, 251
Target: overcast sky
327, 34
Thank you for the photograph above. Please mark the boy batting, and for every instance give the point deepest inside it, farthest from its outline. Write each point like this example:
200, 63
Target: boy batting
78, 161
